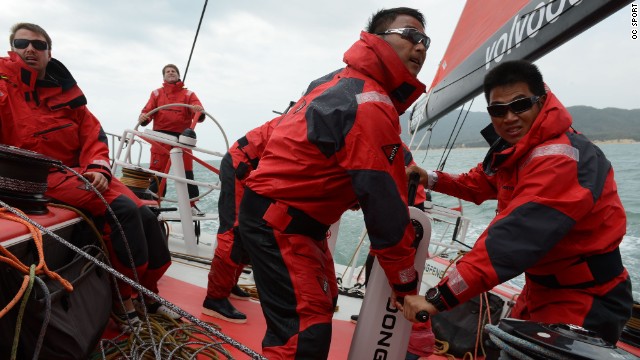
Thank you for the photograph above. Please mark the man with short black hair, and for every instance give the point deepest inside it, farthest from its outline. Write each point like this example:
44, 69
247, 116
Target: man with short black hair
559, 217
339, 146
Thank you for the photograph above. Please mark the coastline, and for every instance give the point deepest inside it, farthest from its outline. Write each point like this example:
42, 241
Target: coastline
597, 142
615, 141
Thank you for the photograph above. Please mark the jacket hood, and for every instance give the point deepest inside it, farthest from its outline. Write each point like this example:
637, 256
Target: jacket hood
374, 57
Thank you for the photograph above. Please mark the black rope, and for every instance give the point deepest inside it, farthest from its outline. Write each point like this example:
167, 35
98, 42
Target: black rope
194, 40
450, 142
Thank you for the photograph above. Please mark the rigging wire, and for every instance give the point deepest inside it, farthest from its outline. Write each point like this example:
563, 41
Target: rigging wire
204, 8
450, 143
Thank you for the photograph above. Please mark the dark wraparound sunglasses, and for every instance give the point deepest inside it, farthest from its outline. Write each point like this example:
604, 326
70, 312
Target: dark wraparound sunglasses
411, 34
516, 106
24, 43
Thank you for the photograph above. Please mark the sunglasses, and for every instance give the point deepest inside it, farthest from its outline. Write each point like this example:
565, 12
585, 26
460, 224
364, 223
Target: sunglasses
411, 34
24, 43
516, 106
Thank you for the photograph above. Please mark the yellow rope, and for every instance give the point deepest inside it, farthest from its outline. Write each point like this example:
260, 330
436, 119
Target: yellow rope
137, 178
442, 348
634, 322
461, 253
251, 290
23, 305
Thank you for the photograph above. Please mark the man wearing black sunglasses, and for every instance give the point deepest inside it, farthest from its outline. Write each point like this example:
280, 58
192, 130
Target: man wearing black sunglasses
559, 217
337, 147
42, 109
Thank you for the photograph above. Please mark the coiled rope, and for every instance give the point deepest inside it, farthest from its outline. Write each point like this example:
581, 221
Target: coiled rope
208, 329
137, 178
177, 340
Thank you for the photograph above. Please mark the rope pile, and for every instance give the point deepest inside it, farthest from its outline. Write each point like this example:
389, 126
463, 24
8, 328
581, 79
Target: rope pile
136, 178
165, 337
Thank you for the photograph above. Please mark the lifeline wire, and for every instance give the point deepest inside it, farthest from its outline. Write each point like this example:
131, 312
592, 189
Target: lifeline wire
136, 285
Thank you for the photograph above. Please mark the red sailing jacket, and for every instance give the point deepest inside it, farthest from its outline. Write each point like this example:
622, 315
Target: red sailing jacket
50, 116
557, 206
174, 119
247, 151
339, 146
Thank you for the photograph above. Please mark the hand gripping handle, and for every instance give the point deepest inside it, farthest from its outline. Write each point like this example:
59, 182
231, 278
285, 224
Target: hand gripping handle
414, 179
422, 316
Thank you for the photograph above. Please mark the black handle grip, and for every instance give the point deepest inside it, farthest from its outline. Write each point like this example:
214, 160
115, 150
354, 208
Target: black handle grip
414, 179
422, 316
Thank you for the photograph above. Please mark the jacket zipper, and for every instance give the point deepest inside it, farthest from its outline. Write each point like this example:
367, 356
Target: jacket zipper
43, 132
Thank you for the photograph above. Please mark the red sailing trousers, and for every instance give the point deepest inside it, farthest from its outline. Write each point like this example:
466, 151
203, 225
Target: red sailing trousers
294, 273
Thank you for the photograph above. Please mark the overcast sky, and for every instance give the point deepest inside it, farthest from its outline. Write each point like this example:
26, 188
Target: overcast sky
254, 56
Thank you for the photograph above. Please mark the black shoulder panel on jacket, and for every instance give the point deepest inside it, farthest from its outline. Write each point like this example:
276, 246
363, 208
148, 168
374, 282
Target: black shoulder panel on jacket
517, 241
331, 115
593, 166
408, 157
102, 137
317, 82
385, 214
73, 103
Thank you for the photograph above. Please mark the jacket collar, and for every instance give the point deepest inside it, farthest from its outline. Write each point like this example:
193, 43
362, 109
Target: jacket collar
173, 87
374, 57
58, 89
26, 76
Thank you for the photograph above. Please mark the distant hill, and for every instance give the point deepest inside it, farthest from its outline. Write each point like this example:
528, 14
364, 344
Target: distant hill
597, 124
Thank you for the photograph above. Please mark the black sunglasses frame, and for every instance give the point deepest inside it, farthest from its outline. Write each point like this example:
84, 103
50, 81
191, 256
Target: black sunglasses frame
22, 44
500, 110
411, 34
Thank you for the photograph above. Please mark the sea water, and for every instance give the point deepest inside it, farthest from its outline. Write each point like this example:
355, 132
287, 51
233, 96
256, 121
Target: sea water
623, 157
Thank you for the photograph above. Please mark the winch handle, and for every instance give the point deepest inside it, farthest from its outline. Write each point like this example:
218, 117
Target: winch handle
422, 316
414, 179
